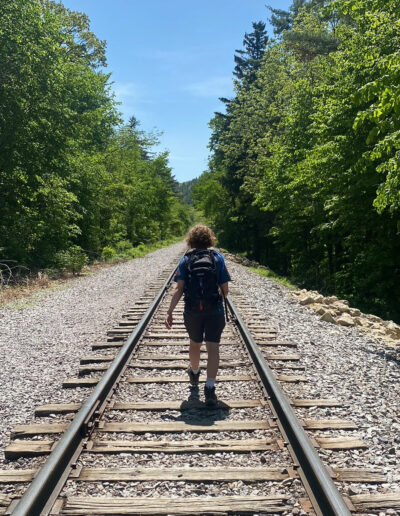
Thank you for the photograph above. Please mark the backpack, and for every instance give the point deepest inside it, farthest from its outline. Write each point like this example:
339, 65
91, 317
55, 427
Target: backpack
201, 288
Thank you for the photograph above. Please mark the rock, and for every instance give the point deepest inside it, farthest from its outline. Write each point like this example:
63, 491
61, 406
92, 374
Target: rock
374, 318
355, 312
341, 307
353, 490
328, 317
331, 299
345, 320
393, 329
306, 300
321, 310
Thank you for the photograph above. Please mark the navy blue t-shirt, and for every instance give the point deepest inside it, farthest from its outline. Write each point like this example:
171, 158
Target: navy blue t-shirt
223, 275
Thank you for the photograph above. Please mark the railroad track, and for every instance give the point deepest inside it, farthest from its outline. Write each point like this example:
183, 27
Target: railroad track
137, 427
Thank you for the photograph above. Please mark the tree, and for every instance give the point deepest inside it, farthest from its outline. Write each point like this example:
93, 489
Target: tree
70, 175
249, 60
303, 173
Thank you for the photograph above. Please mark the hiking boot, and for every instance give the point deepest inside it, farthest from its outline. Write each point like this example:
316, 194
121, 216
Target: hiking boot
193, 377
211, 397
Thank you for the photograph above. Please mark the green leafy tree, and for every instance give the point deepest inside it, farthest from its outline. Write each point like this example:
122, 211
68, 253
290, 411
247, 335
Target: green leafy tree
70, 176
304, 166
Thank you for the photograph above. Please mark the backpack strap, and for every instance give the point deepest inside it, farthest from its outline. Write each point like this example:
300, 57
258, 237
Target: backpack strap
212, 256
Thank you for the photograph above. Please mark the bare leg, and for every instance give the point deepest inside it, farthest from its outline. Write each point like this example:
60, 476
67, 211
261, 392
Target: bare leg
213, 359
194, 354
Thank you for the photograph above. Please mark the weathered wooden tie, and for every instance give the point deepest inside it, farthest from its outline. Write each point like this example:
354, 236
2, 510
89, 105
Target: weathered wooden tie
272, 504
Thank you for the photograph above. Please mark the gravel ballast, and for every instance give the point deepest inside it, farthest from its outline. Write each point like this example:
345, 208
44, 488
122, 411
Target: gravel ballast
340, 363
41, 345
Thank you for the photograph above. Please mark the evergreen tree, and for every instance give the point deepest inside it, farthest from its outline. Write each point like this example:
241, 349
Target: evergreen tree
304, 170
248, 61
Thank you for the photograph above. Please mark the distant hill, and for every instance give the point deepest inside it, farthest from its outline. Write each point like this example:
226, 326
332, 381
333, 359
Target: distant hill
185, 189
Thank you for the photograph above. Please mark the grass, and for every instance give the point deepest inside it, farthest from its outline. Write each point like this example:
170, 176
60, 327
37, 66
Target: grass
141, 250
271, 275
33, 289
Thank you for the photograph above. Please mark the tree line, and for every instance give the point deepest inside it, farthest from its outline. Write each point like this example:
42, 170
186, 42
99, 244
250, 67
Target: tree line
304, 168
74, 180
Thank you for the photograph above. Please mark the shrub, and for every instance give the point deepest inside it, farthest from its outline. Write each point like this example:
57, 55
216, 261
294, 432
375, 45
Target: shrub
108, 254
124, 247
72, 259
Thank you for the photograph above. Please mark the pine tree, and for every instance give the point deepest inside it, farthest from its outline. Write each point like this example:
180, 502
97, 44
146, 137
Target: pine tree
249, 60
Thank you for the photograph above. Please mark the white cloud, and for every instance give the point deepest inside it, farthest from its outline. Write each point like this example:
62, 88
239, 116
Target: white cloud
214, 87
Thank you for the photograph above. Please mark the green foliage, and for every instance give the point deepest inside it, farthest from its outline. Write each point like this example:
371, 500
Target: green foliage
248, 61
304, 172
71, 260
185, 190
267, 273
70, 174
108, 254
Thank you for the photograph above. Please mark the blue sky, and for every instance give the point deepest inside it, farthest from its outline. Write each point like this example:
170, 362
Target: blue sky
170, 61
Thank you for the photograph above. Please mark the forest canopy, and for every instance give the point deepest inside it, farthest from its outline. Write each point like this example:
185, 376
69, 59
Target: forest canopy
304, 170
74, 180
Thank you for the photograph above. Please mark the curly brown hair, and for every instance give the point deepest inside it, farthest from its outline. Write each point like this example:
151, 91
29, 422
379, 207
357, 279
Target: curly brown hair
200, 237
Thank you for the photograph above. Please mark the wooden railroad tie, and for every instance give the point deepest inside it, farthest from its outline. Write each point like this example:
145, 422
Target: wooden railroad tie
163, 506
66, 408
119, 343
29, 448
188, 474
91, 382
340, 474
87, 369
142, 428
90, 359
210, 426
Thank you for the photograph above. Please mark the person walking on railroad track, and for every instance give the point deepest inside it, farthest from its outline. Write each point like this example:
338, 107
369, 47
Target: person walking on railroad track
203, 278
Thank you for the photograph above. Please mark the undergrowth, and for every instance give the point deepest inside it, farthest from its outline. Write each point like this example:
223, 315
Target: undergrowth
273, 276
29, 285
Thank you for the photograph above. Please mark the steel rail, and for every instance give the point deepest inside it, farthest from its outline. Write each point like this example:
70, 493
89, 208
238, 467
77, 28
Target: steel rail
45, 487
324, 493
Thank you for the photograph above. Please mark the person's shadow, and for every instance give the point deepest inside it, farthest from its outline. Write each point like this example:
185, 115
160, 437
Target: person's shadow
194, 411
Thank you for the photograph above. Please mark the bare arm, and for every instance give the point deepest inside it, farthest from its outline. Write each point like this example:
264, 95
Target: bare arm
225, 289
177, 294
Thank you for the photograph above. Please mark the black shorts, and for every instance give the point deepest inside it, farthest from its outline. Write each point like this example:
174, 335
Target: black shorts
204, 326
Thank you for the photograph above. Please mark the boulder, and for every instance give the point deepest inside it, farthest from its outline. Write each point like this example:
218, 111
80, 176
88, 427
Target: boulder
328, 317
364, 322
311, 298
345, 320
354, 312
374, 318
340, 307
306, 300
331, 299
321, 310
393, 329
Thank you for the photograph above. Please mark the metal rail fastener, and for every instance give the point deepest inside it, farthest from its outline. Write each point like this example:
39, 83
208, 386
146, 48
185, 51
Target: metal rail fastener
45, 487
323, 490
